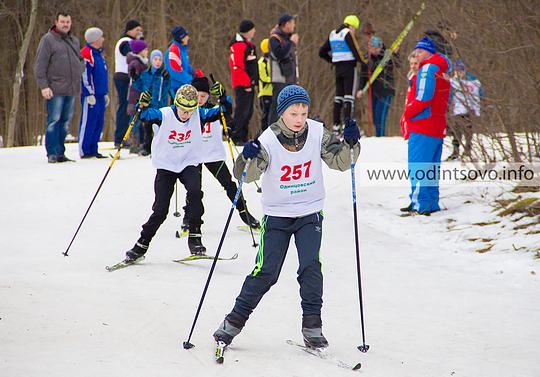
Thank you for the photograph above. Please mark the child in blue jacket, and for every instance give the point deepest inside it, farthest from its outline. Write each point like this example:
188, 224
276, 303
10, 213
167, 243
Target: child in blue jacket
156, 81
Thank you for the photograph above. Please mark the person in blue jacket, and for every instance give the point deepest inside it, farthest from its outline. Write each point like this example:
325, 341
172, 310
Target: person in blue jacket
94, 94
156, 81
177, 60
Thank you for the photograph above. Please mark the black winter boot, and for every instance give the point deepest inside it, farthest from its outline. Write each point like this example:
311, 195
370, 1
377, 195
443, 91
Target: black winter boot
312, 332
194, 241
229, 328
138, 250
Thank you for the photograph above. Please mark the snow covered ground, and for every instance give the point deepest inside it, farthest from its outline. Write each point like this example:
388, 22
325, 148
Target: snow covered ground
433, 306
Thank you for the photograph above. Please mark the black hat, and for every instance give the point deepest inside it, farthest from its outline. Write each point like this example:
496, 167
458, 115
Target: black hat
286, 17
245, 26
132, 24
201, 84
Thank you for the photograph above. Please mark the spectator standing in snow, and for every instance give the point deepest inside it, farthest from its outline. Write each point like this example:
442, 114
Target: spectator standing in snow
137, 63
343, 51
425, 118
465, 105
265, 85
132, 31
58, 70
156, 81
283, 60
177, 60
244, 77
382, 89
411, 90
94, 94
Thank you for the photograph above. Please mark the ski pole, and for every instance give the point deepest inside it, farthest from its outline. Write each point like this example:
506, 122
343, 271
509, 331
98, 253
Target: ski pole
187, 344
176, 213
226, 131
364, 347
115, 157
229, 142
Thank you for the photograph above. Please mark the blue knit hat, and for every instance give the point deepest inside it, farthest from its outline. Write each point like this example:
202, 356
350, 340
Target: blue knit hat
178, 32
426, 44
289, 96
155, 53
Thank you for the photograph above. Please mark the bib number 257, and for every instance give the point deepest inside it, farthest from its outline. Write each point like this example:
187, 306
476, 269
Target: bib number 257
295, 172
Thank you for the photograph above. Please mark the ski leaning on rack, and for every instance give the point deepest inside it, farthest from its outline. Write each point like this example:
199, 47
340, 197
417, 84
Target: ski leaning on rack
204, 257
123, 264
322, 353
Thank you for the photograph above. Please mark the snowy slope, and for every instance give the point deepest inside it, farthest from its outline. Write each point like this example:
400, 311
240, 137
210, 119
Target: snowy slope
433, 307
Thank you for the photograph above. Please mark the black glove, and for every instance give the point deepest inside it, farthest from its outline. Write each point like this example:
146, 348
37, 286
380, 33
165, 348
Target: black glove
251, 149
133, 74
351, 134
217, 89
144, 100
166, 74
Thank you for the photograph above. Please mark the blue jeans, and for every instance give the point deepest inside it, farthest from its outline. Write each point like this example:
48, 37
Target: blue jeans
122, 117
380, 108
59, 114
424, 154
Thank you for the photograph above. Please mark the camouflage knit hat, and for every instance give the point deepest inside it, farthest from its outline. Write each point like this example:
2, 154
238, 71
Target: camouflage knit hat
186, 97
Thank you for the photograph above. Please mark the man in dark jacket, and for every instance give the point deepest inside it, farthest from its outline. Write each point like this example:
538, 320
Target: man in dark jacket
382, 89
343, 51
58, 71
283, 61
132, 31
244, 75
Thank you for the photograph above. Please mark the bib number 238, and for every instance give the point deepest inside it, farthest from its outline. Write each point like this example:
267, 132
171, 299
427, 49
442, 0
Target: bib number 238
295, 172
179, 136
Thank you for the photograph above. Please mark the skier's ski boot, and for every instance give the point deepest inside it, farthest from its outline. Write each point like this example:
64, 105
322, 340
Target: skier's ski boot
184, 229
249, 220
312, 332
194, 241
138, 250
229, 328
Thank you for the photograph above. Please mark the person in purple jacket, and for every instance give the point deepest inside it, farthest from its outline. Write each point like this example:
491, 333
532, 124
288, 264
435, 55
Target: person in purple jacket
94, 94
137, 61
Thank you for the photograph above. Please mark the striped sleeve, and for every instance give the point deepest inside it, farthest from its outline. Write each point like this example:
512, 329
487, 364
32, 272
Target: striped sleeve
425, 82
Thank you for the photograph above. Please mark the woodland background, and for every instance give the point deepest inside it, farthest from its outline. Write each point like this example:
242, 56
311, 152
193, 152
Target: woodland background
498, 40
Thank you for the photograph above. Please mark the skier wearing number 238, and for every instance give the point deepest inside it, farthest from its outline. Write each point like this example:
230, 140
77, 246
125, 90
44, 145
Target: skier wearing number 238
290, 154
175, 154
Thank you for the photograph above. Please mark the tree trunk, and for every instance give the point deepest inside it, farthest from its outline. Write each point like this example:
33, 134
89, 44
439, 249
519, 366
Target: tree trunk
19, 74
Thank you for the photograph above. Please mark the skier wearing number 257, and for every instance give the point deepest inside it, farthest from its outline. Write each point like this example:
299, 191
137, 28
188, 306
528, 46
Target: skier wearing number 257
290, 154
175, 154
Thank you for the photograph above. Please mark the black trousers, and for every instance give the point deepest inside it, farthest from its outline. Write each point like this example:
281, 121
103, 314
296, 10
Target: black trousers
276, 88
221, 172
164, 183
243, 112
276, 234
344, 98
265, 103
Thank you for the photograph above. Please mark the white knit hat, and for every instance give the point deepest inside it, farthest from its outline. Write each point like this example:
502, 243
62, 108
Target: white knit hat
93, 34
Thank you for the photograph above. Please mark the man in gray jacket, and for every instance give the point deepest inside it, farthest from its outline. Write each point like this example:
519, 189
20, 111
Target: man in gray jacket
58, 71
283, 62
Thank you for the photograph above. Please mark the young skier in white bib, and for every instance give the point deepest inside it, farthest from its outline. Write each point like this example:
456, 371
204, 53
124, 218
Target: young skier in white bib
290, 154
176, 155
213, 151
